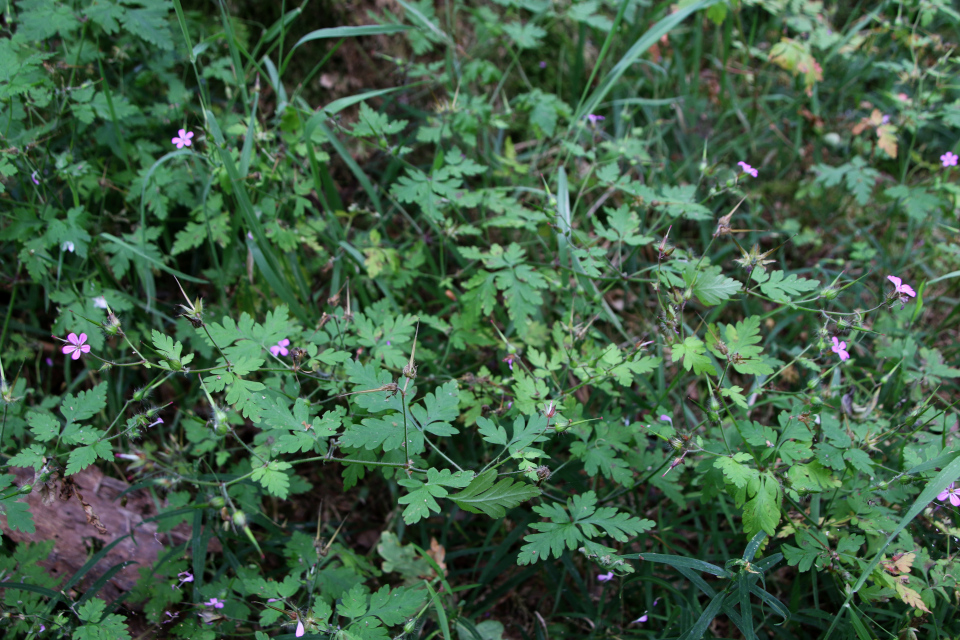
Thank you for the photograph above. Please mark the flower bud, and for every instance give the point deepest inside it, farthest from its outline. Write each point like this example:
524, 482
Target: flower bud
112, 326
239, 518
217, 502
27, 488
829, 293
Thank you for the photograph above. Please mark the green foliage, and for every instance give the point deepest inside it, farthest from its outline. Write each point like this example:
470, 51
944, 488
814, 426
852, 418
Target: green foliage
509, 293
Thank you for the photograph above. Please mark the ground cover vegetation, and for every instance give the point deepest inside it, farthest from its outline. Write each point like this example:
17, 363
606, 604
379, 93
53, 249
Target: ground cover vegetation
480, 320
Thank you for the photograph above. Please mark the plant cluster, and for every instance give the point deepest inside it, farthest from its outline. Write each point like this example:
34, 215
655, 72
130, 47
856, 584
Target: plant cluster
611, 318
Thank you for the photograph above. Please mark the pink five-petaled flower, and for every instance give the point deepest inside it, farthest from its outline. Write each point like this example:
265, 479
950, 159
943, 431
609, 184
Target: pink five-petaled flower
902, 290
594, 119
183, 139
509, 360
949, 159
280, 349
300, 630
748, 169
605, 577
840, 348
76, 346
214, 603
952, 493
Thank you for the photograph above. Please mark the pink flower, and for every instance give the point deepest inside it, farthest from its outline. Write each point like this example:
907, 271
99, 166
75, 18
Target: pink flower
183, 139
543, 64
300, 630
76, 346
36, 180
748, 169
605, 577
902, 290
280, 348
952, 493
640, 620
594, 119
185, 576
949, 159
550, 410
509, 360
840, 348
218, 604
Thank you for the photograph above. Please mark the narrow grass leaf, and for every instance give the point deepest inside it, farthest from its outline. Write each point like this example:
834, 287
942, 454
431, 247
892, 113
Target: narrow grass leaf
647, 40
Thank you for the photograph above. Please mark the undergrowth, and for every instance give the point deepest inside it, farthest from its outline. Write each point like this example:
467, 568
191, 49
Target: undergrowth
606, 318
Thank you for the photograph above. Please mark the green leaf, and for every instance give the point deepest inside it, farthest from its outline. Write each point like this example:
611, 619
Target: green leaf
783, 289
84, 405
812, 477
526, 36
395, 607
43, 425
859, 459
81, 458
735, 394
422, 497
692, 351
491, 431
485, 495
740, 346
439, 410
30, 457
762, 511
710, 285
580, 521
735, 472
18, 513
273, 478
106, 14
623, 226
149, 22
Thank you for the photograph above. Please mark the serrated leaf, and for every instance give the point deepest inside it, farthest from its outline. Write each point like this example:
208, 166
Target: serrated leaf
762, 511
422, 497
784, 289
85, 404
692, 351
709, 285
485, 495
43, 425
812, 477
81, 458
580, 521
273, 478
29, 457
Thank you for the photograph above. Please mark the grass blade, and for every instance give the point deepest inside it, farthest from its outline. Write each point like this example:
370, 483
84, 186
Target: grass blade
646, 41
263, 255
686, 563
345, 32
